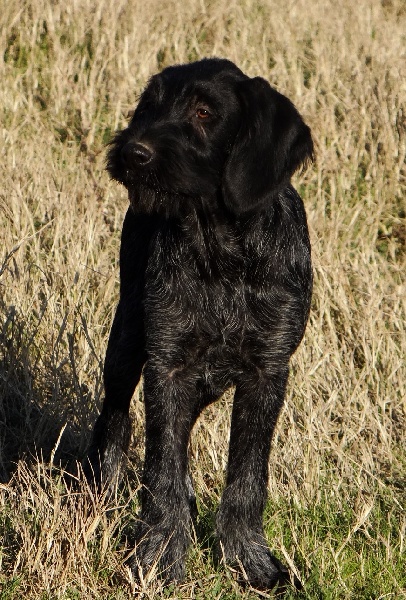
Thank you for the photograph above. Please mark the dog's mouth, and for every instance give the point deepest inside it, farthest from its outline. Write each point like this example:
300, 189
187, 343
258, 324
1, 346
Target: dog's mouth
148, 195
143, 181
141, 184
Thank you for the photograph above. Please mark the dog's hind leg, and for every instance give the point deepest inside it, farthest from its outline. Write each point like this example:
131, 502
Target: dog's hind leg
257, 404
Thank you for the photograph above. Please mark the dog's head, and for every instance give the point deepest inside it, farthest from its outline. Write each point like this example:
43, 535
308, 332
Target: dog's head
206, 130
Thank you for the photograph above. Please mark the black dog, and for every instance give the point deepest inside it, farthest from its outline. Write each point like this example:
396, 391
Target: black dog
215, 292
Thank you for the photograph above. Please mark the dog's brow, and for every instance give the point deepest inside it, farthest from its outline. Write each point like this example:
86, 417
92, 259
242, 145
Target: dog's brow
200, 94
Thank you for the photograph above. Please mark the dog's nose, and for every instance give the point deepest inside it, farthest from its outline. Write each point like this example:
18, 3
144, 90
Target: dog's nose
134, 152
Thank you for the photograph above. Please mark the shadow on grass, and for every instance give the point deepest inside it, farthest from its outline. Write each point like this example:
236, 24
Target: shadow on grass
44, 410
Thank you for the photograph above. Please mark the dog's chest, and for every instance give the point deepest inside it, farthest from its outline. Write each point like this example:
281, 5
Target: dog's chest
197, 282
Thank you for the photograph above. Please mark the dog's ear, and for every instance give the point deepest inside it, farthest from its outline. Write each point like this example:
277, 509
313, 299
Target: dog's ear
272, 143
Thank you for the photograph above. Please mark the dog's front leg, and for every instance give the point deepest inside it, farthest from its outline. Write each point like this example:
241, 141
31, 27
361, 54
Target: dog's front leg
163, 532
125, 356
257, 403
122, 371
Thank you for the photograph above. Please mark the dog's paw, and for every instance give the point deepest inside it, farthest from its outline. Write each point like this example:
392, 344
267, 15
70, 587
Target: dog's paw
252, 562
101, 474
106, 456
263, 571
160, 552
92, 469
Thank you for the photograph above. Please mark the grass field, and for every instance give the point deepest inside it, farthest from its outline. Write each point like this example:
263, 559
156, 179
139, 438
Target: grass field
70, 72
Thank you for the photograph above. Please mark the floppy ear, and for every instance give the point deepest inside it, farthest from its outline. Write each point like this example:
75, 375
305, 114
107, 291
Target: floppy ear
272, 143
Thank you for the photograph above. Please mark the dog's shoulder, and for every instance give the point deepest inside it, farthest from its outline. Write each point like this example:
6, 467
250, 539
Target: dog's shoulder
137, 232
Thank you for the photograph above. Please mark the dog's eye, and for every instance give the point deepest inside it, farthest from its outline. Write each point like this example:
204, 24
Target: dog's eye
202, 113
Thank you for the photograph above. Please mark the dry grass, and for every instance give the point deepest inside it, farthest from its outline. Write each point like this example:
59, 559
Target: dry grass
70, 72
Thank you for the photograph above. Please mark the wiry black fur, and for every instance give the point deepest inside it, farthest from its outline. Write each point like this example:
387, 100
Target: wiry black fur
215, 291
